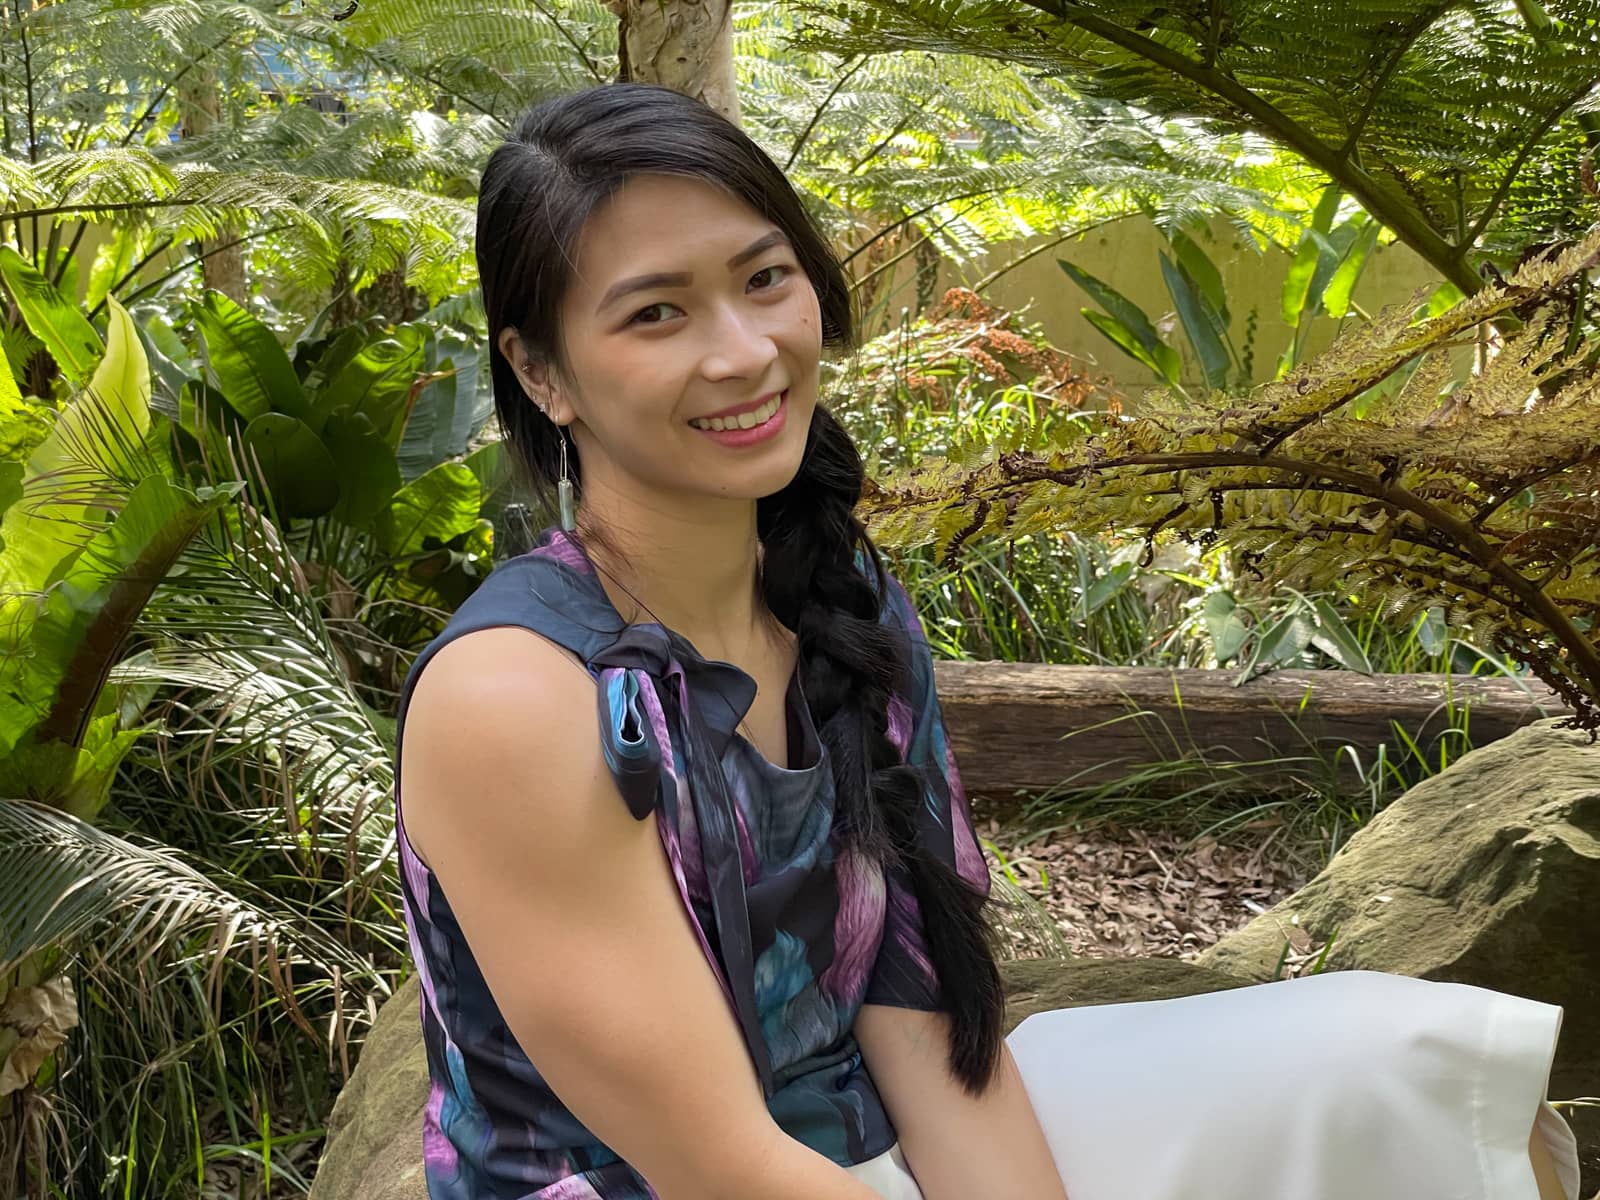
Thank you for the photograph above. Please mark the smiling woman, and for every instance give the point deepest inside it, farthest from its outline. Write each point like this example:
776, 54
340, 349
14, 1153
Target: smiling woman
690, 877
677, 354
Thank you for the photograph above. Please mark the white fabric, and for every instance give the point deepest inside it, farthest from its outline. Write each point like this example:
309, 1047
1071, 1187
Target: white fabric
1350, 1085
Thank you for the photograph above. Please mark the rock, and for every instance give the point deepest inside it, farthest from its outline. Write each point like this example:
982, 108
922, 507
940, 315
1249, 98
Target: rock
374, 1146
1036, 985
1484, 874
374, 1143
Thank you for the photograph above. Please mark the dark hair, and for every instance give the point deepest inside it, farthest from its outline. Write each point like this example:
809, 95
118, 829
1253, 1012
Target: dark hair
563, 160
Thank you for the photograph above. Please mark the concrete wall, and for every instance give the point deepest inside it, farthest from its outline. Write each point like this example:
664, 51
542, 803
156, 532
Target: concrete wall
1125, 255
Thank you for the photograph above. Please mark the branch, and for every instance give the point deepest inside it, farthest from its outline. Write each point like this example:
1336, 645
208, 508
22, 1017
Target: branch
593, 67
912, 216
794, 151
197, 259
1423, 23
1407, 223
989, 279
161, 92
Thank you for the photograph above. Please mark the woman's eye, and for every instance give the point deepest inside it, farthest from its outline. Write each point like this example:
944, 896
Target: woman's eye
780, 271
643, 316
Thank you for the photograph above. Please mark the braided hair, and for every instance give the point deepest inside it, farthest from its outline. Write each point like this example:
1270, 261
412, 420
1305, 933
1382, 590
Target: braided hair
563, 159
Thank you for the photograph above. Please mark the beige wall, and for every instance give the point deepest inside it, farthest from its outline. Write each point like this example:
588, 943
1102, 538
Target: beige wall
1124, 255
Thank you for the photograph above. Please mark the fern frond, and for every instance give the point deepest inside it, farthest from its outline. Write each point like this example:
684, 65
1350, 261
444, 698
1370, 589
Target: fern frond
1482, 503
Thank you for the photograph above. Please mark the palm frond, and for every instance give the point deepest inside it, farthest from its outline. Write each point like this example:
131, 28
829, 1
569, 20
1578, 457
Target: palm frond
971, 151
237, 636
107, 898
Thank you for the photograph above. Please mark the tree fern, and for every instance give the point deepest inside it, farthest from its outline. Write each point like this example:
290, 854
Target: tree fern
1457, 125
1481, 502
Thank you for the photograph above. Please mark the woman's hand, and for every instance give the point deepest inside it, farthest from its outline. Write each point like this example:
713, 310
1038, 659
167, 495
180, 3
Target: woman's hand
957, 1146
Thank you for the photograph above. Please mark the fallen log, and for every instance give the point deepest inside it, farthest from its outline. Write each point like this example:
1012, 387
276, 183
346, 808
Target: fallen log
1033, 727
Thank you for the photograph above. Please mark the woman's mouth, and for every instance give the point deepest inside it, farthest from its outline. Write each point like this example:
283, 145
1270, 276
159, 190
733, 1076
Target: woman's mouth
747, 428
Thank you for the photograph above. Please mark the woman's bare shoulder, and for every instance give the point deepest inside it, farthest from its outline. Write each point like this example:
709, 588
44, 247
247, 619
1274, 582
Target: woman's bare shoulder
494, 712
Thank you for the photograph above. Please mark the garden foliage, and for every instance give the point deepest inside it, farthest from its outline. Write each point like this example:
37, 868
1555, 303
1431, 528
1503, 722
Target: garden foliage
1365, 465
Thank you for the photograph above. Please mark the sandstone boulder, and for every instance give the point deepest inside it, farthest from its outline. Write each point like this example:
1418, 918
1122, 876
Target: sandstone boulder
374, 1147
1485, 874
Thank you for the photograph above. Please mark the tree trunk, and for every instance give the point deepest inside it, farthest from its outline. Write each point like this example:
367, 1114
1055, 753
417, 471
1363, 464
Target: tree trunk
222, 267
686, 45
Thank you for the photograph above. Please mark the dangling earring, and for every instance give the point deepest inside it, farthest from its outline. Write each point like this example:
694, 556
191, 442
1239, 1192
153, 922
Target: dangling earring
569, 513
565, 498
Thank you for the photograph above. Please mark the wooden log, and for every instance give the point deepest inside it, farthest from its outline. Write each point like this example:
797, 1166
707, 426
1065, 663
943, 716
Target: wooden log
1033, 727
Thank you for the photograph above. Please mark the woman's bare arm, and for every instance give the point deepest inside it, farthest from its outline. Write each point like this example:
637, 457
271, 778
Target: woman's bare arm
956, 1146
571, 911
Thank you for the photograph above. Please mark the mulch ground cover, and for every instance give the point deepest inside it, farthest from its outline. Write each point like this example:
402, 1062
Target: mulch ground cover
1118, 891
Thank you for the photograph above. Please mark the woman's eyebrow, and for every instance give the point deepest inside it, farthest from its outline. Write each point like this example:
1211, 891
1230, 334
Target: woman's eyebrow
640, 283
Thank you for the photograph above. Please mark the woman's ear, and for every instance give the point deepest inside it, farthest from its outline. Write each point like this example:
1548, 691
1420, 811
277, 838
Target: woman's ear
532, 373
522, 364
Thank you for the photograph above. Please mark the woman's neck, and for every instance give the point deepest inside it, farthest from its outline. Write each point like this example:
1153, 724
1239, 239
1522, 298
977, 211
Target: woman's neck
696, 574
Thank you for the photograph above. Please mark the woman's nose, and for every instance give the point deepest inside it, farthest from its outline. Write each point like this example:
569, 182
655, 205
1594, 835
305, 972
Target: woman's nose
742, 346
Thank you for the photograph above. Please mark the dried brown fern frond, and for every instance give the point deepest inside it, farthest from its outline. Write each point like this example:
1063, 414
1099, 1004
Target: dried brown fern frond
1483, 499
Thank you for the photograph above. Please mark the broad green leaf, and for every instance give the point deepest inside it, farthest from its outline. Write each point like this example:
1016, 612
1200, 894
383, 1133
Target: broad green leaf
1334, 638
1327, 210
23, 426
104, 431
1336, 298
1286, 639
73, 633
449, 412
366, 469
1228, 632
171, 364
122, 379
112, 261
1107, 587
1432, 634
1335, 249
427, 442
10, 394
1128, 314
493, 464
247, 364
10, 488
1200, 322
1297, 283
1445, 297
437, 506
1280, 643
1163, 359
55, 320
376, 382
1199, 267
299, 473
1315, 256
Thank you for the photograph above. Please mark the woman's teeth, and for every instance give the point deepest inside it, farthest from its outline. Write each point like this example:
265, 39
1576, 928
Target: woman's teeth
745, 420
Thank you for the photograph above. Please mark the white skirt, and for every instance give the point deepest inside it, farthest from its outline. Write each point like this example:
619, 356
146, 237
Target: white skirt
1350, 1085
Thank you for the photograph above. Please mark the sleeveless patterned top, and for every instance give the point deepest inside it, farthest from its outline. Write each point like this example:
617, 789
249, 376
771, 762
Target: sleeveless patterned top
799, 936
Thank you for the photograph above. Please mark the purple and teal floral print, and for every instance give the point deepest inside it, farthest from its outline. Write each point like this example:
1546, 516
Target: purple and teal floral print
798, 935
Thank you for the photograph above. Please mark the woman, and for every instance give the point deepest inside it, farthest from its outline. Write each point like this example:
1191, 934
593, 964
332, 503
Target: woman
728, 940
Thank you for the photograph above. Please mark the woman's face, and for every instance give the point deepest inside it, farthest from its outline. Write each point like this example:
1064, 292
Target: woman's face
685, 303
